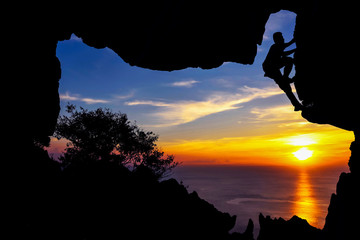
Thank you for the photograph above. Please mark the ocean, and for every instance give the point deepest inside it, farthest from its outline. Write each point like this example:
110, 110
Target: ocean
247, 191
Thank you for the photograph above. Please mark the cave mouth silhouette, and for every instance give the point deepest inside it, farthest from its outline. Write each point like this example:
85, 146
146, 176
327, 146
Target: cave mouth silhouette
73, 36
162, 43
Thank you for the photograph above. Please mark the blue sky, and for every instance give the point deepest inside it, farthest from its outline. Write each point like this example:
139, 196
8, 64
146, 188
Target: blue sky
95, 78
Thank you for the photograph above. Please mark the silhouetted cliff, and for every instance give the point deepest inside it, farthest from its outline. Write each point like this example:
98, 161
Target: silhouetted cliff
342, 220
294, 229
325, 74
102, 200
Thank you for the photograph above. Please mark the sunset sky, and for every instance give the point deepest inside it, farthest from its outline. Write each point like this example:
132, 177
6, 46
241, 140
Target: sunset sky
228, 115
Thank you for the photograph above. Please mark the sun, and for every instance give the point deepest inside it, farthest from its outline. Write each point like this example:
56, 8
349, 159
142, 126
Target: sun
303, 153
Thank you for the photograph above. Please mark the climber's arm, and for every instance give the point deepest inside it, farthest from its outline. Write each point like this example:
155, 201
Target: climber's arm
289, 43
287, 53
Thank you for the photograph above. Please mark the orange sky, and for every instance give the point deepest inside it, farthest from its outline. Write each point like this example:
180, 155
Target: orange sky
270, 136
270, 139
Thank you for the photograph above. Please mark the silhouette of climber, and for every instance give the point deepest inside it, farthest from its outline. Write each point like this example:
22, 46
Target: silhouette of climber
276, 59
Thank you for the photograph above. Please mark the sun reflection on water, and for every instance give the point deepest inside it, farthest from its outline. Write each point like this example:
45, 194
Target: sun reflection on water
305, 205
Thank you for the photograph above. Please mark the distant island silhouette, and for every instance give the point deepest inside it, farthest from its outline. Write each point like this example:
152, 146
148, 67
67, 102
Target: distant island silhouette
103, 201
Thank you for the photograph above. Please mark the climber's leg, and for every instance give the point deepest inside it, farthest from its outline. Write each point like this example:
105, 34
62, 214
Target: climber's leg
288, 63
294, 101
288, 91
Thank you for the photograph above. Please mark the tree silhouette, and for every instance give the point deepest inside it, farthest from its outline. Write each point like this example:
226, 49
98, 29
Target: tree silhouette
102, 135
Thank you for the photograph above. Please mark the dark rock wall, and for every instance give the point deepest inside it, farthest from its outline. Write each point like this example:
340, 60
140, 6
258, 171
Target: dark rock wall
326, 64
343, 214
170, 35
280, 229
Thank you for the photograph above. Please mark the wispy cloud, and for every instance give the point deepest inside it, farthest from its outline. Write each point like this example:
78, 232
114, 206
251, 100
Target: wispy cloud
187, 83
151, 103
277, 113
76, 97
180, 112
222, 82
126, 96
281, 116
67, 96
93, 101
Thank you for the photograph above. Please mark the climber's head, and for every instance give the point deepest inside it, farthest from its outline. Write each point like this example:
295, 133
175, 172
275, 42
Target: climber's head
278, 37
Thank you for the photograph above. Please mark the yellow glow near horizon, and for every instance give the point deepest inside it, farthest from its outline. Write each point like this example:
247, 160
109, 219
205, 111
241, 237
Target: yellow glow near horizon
323, 146
302, 140
270, 143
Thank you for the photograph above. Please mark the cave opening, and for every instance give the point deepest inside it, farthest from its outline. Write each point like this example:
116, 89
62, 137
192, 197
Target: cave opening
190, 105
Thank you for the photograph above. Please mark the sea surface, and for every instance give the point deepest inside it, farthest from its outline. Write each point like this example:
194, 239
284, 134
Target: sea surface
247, 191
